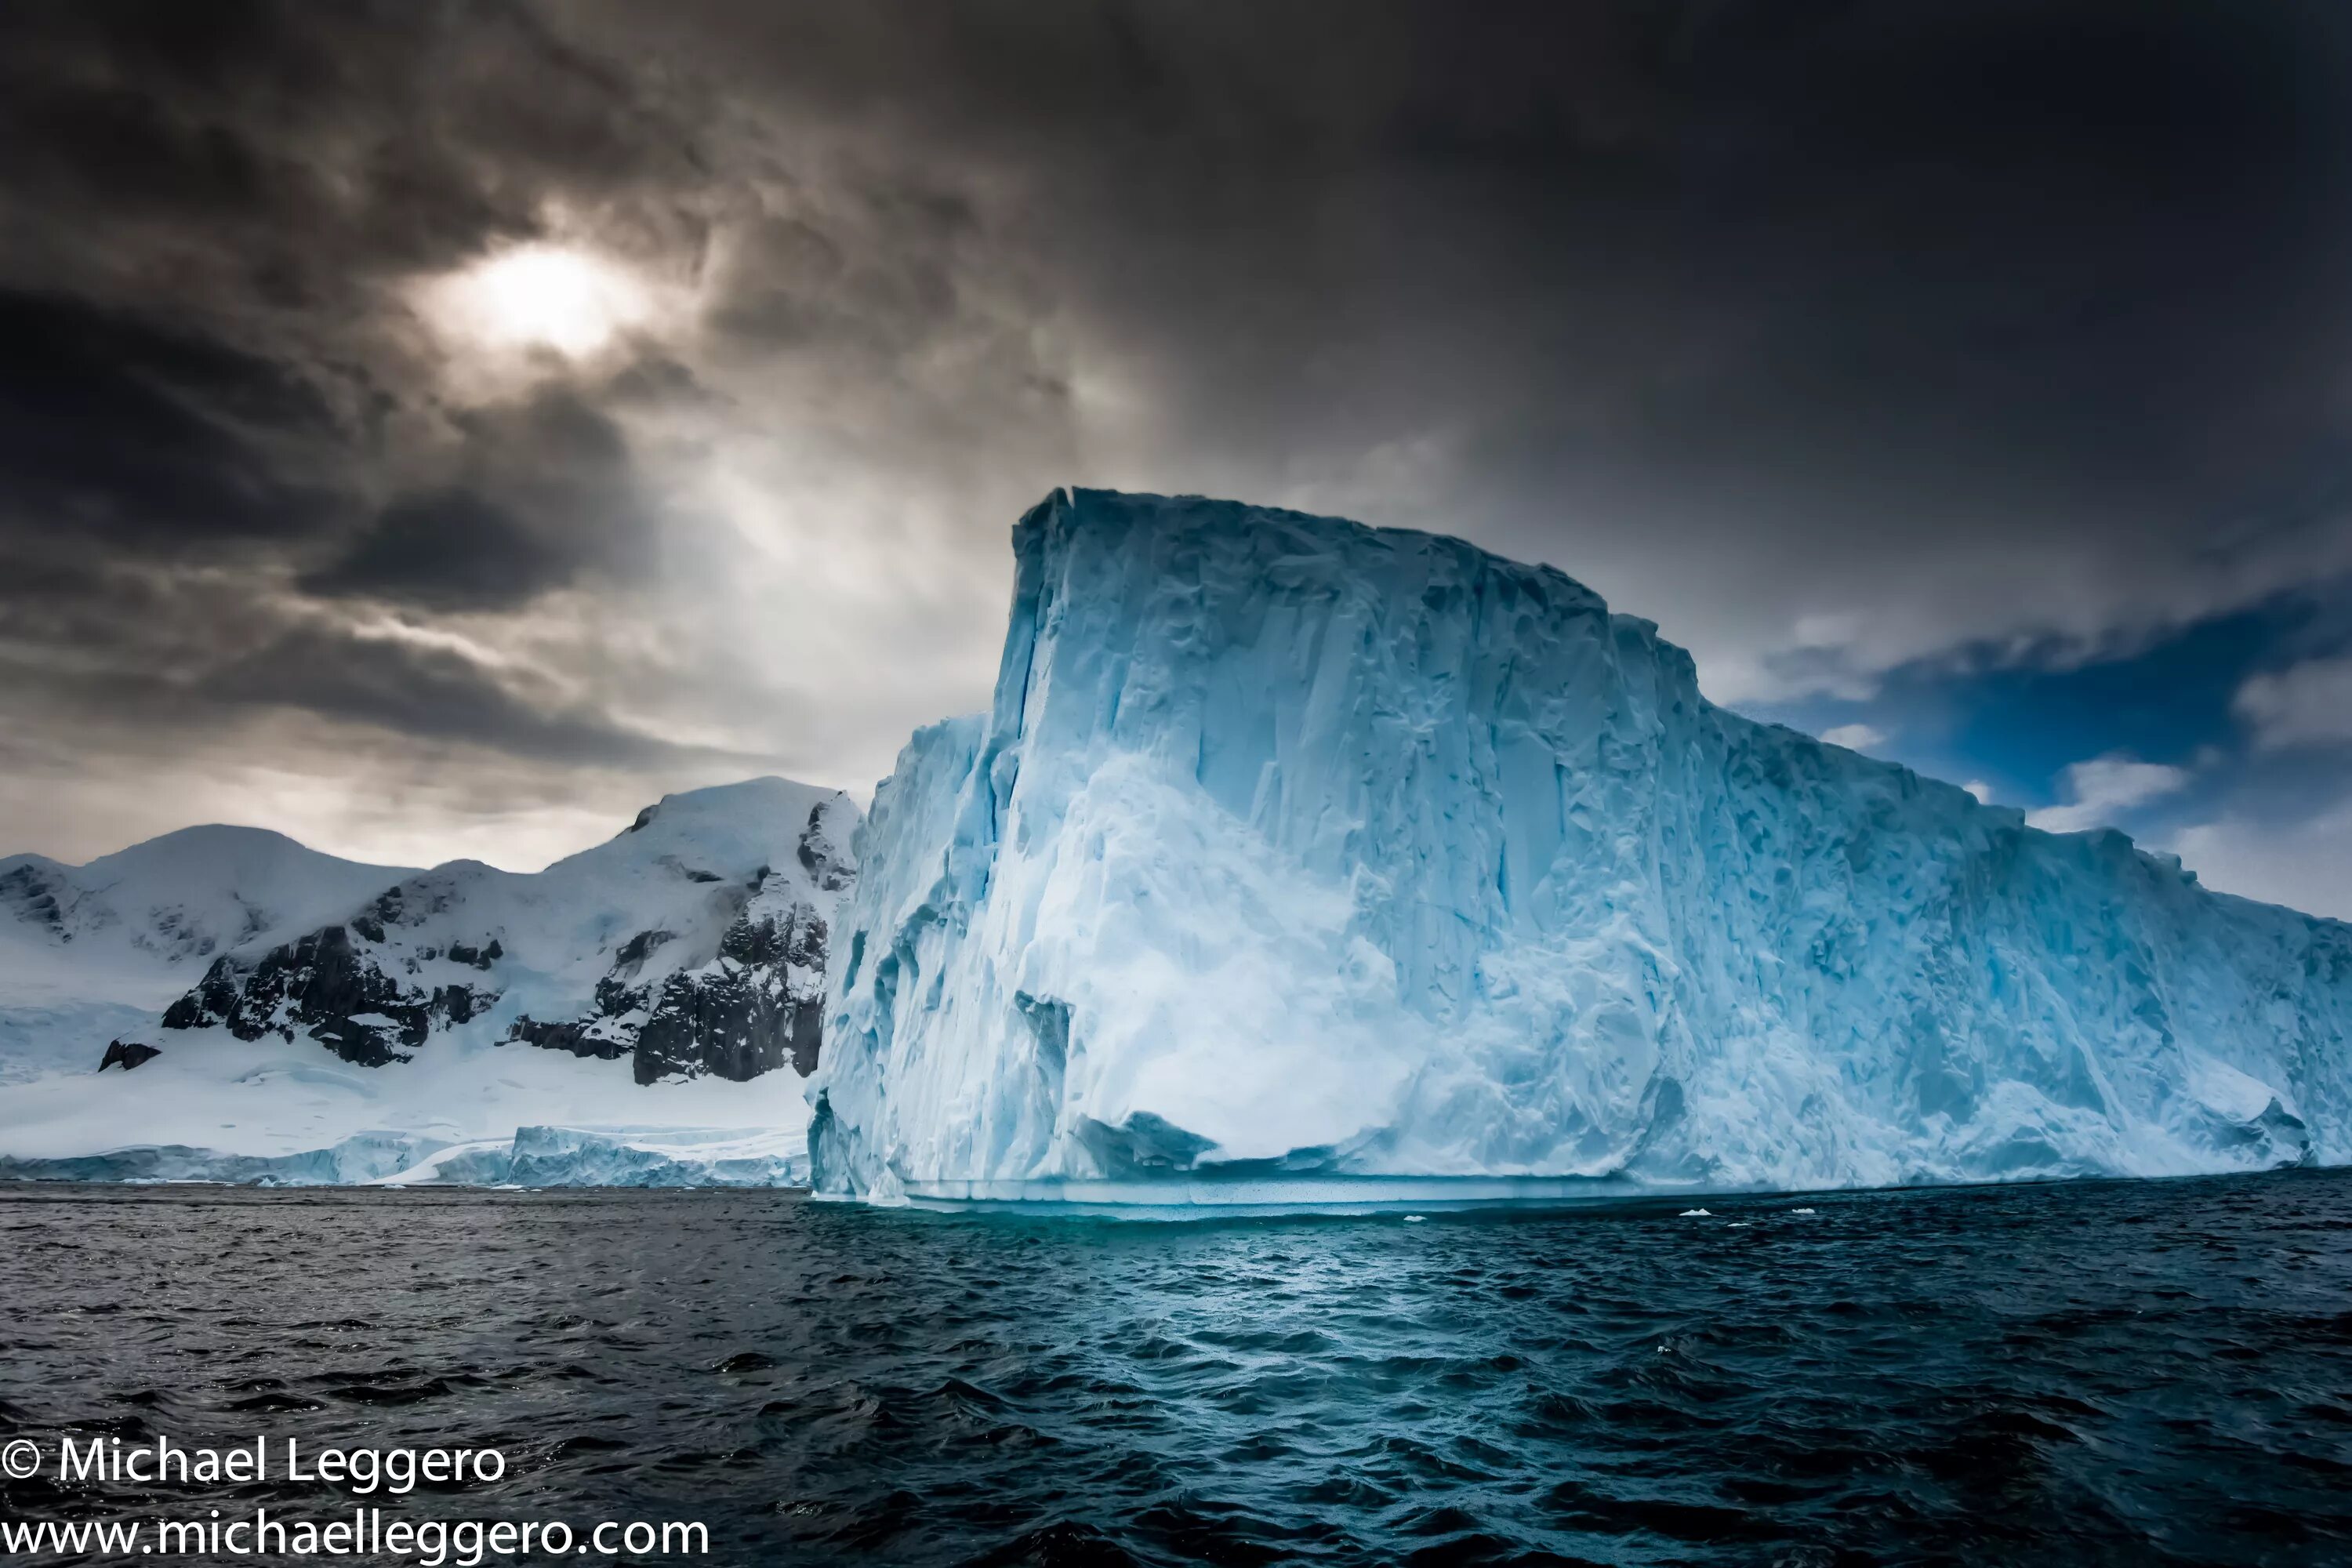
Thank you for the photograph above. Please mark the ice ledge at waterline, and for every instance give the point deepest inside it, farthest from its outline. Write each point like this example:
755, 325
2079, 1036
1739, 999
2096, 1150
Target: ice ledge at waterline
532, 1157
1292, 848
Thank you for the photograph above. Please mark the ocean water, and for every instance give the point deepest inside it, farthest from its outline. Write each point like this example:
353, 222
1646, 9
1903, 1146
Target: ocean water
2111, 1373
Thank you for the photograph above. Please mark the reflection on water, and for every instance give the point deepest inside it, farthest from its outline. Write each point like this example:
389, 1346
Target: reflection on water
2126, 1372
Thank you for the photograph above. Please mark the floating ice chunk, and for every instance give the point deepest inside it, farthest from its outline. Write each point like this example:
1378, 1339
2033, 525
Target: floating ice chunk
616, 1157
1696, 1213
1800, 1211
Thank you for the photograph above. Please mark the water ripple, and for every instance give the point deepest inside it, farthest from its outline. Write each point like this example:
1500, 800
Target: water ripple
2151, 1372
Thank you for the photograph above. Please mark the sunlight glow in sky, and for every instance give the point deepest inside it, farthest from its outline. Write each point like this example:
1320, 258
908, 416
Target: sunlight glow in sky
598, 402
540, 296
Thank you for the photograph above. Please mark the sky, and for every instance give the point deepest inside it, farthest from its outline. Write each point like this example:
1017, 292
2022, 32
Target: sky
438, 429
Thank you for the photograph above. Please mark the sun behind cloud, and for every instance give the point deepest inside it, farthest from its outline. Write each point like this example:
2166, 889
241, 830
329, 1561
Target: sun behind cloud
538, 296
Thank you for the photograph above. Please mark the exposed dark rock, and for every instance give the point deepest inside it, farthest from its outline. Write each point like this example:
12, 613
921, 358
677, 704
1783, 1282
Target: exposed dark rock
758, 1007
368, 989
615, 995
459, 1003
819, 857
749, 1013
129, 1053
386, 910
319, 984
212, 1001
36, 900
575, 1037
634, 953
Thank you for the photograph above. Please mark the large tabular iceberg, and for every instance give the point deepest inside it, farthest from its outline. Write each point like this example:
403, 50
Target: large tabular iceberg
1294, 853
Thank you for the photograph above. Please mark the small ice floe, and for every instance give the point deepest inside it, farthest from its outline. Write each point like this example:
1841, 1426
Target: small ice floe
1696, 1213
1414, 1218
1800, 1211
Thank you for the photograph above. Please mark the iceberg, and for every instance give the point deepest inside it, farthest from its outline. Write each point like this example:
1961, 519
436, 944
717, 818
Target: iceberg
619, 1157
1297, 859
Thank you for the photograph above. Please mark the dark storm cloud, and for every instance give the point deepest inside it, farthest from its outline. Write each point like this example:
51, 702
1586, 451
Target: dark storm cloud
789, 285
427, 693
1813, 287
325, 144
206, 211
1903, 271
1842, 339
127, 431
547, 491
449, 550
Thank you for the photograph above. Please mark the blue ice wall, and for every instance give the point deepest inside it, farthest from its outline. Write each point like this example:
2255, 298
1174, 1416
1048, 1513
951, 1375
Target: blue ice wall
1297, 851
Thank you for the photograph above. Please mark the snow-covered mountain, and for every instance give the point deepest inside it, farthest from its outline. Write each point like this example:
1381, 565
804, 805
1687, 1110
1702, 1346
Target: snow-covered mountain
694, 942
91, 952
1296, 852
626, 1010
137, 917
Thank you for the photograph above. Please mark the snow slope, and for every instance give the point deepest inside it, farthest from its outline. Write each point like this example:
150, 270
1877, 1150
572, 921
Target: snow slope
368, 1023
1294, 856
91, 952
639, 946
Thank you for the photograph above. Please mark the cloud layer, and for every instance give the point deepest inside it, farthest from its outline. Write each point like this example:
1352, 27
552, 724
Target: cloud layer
1842, 342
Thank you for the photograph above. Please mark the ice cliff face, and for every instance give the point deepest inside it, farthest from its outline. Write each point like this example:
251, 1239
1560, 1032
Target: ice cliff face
695, 942
1294, 849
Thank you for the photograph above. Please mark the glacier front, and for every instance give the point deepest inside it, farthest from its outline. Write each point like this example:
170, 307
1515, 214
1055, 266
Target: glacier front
1296, 859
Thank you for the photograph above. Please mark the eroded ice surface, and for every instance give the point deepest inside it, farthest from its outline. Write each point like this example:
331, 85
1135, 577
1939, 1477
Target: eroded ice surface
1292, 849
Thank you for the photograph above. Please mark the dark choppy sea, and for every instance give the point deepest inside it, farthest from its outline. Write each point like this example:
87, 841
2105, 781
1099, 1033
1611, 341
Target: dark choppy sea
2113, 1373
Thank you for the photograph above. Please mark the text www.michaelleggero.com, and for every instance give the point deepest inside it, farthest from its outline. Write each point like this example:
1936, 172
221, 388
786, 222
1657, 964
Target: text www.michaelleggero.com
363, 1533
